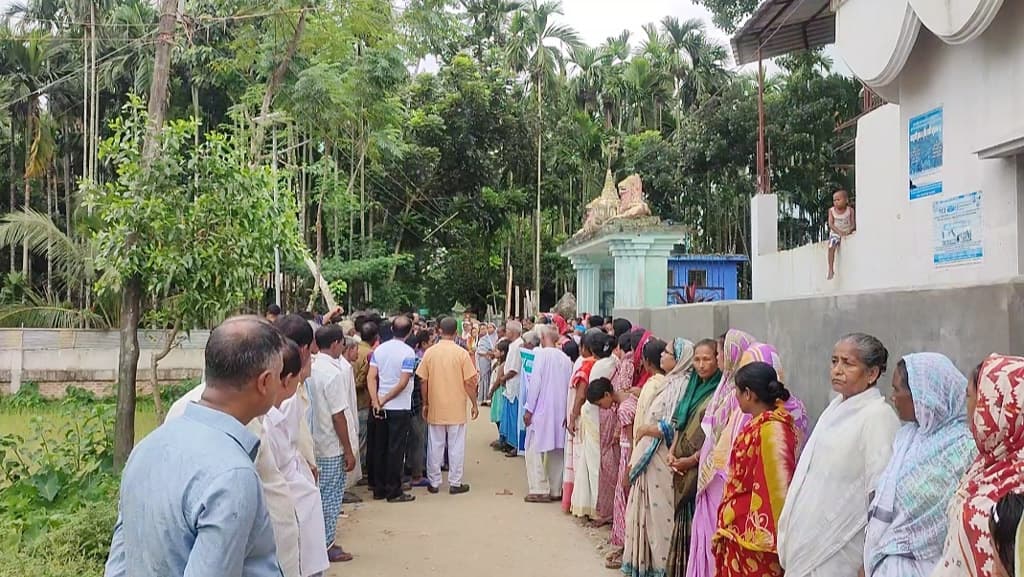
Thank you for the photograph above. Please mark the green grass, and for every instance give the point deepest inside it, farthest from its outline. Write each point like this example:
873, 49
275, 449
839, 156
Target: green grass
16, 421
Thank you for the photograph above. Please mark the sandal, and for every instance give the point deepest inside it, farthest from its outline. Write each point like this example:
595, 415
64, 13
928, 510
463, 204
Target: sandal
537, 499
337, 555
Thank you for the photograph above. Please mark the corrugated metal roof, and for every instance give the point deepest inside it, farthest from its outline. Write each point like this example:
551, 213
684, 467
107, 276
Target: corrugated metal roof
708, 258
779, 27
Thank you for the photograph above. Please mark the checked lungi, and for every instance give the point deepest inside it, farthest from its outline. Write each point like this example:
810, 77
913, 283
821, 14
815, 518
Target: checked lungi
332, 491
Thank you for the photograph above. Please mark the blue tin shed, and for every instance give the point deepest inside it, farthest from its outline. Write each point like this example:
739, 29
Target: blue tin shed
715, 276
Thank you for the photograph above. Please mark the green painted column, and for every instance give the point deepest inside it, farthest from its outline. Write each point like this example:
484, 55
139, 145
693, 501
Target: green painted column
641, 269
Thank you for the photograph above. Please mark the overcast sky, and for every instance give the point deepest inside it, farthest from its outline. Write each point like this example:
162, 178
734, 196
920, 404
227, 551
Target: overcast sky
596, 20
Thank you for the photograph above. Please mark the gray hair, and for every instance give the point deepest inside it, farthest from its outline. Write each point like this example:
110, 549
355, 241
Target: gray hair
514, 326
546, 331
348, 343
532, 337
870, 350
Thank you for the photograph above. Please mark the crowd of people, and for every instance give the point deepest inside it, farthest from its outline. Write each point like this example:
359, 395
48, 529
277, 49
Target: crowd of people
705, 463
697, 455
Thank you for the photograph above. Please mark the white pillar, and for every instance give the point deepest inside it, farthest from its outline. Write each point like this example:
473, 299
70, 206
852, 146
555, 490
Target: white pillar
764, 224
764, 234
588, 284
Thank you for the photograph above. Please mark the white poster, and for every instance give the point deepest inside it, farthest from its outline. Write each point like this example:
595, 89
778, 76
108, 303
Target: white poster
958, 230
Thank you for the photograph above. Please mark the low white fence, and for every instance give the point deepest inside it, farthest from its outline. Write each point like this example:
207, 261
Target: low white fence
56, 359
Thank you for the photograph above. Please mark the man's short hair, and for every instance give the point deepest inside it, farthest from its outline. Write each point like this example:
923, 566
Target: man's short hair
369, 332
327, 335
595, 321
295, 328
448, 326
273, 309
292, 360
401, 326
239, 350
514, 326
532, 337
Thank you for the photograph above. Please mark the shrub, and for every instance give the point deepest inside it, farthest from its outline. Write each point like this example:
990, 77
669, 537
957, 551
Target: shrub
58, 495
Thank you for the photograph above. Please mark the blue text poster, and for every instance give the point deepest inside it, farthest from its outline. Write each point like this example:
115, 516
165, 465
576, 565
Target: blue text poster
926, 154
958, 232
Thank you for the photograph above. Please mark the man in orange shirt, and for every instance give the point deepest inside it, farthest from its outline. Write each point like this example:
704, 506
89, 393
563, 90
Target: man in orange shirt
448, 379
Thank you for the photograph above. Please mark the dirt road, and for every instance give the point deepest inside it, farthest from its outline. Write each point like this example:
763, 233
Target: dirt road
478, 534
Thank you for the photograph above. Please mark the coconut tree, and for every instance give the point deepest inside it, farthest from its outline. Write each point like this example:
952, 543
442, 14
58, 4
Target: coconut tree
536, 50
30, 72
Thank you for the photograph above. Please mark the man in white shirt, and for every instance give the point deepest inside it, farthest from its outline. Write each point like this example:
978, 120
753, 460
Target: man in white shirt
389, 380
328, 394
347, 353
511, 427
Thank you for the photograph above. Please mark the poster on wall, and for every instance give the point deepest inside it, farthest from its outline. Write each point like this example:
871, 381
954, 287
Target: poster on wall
958, 232
926, 154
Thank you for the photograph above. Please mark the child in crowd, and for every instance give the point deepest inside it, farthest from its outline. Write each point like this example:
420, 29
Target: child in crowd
1007, 532
497, 393
842, 222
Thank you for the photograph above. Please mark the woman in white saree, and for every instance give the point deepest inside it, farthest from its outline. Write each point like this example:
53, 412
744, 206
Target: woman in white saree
821, 530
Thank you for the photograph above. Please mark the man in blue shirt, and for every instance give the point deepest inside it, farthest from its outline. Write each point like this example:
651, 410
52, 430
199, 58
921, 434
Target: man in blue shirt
191, 503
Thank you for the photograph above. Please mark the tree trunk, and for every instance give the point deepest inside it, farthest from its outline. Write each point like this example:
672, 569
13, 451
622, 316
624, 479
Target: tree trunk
274, 84
161, 77
540, 143
401, 233
128, 364
27, 184
154, 362
131, 288
13, 185
51, 210
66, 165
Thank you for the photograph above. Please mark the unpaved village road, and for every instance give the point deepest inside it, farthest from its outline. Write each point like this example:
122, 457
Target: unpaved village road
478, 534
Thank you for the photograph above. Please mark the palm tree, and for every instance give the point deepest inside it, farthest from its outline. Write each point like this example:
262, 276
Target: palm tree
617, 50
536, 49
490, 20
73, 269
30, 71
588, 82
698, 61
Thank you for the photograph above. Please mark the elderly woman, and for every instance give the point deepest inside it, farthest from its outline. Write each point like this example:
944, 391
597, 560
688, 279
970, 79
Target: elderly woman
821, 529
649, 511
907, 519
994, 411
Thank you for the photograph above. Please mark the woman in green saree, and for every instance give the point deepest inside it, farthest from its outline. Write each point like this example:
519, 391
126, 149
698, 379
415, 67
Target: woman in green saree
685, 455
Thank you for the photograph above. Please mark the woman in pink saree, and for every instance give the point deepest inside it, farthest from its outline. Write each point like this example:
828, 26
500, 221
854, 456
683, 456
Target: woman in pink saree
722, 423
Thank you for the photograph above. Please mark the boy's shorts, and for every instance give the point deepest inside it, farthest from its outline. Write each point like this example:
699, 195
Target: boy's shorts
834, 240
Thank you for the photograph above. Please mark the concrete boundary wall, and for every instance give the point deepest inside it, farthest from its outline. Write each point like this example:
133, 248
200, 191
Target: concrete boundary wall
56, 359
964, 322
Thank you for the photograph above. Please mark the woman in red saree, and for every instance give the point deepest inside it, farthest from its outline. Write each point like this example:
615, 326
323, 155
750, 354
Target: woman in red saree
761, 468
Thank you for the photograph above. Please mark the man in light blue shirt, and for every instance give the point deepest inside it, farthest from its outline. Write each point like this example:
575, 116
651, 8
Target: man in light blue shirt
191, 502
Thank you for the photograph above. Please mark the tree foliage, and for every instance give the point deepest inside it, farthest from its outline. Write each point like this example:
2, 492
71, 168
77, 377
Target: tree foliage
401, 146
197, 226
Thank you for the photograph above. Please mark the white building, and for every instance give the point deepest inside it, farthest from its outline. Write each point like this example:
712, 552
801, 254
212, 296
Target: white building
939, 177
